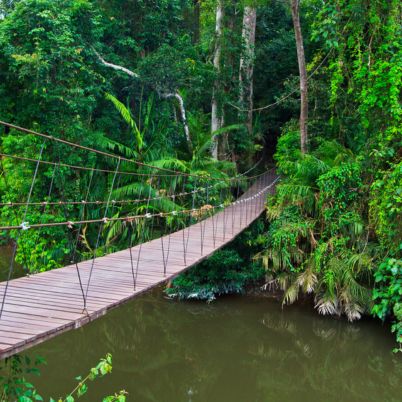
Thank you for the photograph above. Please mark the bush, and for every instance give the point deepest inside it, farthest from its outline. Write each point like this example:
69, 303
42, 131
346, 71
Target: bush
225, 272
387, 295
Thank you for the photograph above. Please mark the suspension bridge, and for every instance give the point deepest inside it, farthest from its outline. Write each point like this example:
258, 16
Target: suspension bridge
40, 306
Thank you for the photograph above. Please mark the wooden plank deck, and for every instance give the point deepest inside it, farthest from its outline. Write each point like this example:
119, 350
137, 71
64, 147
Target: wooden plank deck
44, 305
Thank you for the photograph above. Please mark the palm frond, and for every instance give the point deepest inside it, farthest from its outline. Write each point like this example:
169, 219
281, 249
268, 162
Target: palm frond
125, 113
291, 293
307, 280
327, 305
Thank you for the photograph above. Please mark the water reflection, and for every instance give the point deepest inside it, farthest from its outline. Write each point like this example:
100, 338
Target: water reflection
237, 349
5, 258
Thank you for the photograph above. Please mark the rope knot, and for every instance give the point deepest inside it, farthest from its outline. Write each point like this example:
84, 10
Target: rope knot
174, 213
25, 226
70, 224
148, 215
105, 220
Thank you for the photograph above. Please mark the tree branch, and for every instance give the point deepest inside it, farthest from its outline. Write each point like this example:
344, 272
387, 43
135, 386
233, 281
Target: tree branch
175, 95
183, 115
115, 66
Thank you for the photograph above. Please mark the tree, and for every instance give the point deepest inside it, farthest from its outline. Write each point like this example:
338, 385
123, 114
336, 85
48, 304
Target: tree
247, 64
162, 93
303, 75
217, 117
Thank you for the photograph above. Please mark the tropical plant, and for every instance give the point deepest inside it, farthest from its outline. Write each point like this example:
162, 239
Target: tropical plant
15, 386
387, 295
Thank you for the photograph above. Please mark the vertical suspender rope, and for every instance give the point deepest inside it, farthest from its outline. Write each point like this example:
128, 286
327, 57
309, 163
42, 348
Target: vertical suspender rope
247, 206
24, 226
169, 222
241, 202
154, 201
192, 211
212, 218
74, 243
130, 238
184, 228
134, 273
257, 195
142, 232
74, 259
203, 222
99, 234
260, 187
222, 205
49, 193
166, 259
233, 208
161, 236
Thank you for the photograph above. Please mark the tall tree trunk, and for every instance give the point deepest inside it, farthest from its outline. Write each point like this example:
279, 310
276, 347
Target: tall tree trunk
303, 76
196, 20
217, 112
247, 65
183, 116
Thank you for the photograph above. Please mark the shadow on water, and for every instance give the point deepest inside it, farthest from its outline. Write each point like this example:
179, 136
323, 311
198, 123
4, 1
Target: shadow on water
237, 349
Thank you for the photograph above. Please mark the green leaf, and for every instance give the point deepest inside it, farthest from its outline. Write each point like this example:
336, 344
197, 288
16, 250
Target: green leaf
125, 113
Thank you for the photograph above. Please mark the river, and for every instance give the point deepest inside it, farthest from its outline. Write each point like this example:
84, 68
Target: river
238, 349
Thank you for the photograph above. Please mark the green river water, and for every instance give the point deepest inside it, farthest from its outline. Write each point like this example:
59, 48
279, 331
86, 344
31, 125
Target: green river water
237, 349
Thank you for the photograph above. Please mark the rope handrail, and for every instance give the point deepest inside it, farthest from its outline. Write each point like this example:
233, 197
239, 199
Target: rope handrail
107, 154
83, 147
85, 202
128, 218
92, 169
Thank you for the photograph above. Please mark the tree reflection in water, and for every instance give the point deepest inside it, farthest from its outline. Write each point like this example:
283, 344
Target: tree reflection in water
237, 349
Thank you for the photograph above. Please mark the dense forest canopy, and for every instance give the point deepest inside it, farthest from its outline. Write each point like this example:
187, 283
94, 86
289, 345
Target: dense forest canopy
214, 87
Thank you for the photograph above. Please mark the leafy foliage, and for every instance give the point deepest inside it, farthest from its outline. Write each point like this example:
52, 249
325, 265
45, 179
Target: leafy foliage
336, 216
316, 241
228, 271
16, 387
387, 294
